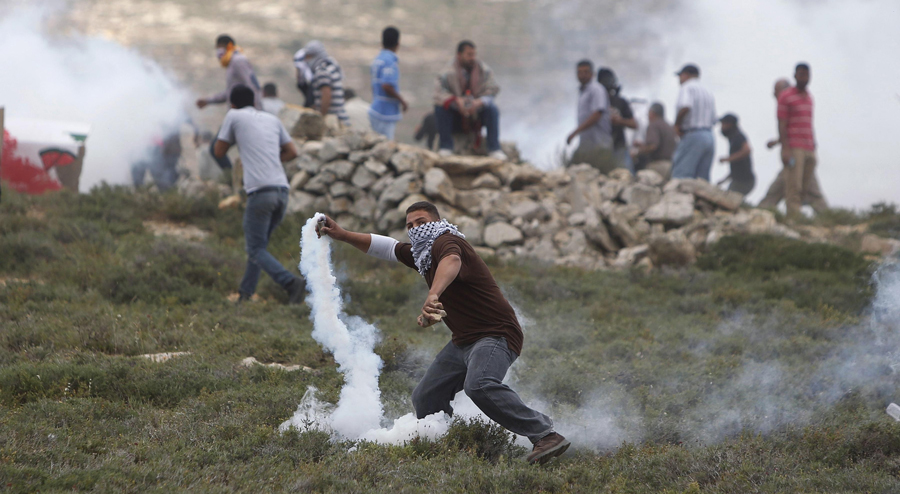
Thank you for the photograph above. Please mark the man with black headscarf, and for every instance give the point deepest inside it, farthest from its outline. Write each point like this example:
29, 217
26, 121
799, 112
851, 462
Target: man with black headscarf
621, 116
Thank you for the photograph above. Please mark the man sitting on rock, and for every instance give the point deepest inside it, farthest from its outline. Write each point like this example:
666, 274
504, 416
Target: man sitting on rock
464, 101
487, 337
264, 144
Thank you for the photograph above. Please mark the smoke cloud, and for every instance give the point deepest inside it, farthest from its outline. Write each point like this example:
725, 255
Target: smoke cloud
741, 48
128, 100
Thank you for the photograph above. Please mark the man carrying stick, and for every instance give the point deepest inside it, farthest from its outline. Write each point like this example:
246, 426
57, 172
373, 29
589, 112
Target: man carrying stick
487, 337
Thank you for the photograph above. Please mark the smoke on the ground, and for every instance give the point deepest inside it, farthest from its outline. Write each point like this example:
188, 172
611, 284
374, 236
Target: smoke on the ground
54, 74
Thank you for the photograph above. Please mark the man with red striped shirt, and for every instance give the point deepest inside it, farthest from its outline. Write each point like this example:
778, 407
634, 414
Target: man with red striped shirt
798, 143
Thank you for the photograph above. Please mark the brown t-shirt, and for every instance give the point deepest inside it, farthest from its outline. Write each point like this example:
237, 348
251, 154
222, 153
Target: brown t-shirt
663, 135
474, 304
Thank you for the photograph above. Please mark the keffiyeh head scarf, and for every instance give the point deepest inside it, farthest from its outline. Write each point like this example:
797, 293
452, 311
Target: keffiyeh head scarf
423, 237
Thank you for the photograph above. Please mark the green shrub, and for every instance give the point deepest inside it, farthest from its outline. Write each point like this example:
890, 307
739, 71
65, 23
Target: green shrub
21, 253
486, 440
758, 254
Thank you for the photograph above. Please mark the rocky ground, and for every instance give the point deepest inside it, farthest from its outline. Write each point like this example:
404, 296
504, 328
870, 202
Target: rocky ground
574, 217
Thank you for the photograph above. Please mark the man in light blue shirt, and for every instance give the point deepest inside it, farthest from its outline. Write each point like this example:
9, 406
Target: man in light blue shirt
387, 104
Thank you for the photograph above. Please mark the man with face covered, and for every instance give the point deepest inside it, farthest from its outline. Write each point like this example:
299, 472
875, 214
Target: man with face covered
487, 337
238, 71
464, 100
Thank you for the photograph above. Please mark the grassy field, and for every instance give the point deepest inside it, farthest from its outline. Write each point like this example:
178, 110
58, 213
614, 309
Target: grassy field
762, 369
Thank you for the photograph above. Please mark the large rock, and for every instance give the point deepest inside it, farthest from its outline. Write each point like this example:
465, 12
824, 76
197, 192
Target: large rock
476, 202
333, 149
340, 189
650, 177
310, 125
486, 181
300, 202
363, 178
724, 199
342, 169
674, 208
340, 205
300, 179
406, 161
500, 233
630, 256
527, 210
524, 175
376, 167
359, 156
439, 186
364, 208
384, 151
873, 244
308, 164
392, 219
641, 195
319, 184
672, 248
572, 241
472, 228
468, 165
620, 228
400, 188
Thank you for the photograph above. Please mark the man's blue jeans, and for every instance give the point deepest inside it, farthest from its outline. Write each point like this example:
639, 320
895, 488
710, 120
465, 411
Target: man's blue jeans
448, 120
264, 212
479, 369
694, 155
383, 127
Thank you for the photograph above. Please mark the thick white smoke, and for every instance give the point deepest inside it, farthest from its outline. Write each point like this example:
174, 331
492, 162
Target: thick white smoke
358, 413
741, 48
128, 100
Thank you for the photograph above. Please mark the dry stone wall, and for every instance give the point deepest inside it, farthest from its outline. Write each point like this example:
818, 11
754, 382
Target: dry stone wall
574, 217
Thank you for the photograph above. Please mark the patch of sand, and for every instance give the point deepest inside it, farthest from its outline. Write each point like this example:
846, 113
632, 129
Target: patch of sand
183, 232
251, 361
162, 357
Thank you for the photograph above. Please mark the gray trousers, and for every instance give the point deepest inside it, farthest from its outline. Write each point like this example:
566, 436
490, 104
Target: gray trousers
479, 369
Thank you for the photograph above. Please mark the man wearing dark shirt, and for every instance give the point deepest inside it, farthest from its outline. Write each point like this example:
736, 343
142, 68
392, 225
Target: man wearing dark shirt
621, 116
742, 178
487, 337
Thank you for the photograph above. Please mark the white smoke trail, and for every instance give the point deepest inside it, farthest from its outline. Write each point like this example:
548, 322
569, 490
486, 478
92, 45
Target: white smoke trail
359, 413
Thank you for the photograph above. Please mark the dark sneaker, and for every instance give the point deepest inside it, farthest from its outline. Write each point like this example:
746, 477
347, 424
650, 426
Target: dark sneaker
296, 291
550, 446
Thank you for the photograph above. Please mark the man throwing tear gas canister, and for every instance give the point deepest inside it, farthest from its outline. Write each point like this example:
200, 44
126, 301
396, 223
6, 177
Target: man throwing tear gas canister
487, 337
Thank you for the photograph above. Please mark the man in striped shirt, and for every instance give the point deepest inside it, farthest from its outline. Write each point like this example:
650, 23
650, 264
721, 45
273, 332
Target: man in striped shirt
327, 83
798, 143
696, 116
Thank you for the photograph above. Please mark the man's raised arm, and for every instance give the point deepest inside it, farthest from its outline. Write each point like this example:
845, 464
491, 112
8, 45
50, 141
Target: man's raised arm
374, 245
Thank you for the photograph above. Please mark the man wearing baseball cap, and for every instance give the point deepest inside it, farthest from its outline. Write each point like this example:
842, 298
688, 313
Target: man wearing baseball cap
741, 176
695, 118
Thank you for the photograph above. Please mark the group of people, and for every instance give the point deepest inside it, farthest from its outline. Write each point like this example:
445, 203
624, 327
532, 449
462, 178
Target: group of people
686, 149
486, 335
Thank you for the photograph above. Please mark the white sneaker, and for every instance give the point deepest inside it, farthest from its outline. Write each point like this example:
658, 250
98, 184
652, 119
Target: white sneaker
498, 155
443, 153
